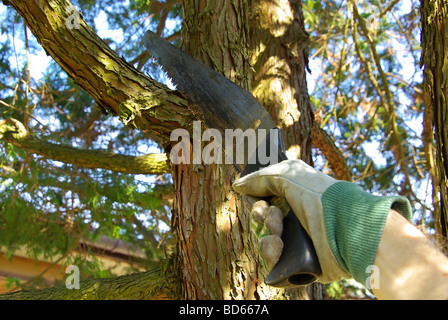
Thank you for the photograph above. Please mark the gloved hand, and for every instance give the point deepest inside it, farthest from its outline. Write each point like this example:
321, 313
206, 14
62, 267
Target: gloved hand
344, 223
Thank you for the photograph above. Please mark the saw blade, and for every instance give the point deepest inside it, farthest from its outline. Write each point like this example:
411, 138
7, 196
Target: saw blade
220, 103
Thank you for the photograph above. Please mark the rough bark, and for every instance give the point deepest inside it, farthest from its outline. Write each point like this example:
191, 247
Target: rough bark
216, 247
279, 55
434, 38
156, 284
332, 153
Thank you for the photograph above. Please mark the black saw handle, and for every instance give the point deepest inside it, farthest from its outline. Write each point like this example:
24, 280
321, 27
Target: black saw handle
298, 264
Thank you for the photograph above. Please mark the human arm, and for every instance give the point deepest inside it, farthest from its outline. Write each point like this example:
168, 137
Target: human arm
410, 267
350, 229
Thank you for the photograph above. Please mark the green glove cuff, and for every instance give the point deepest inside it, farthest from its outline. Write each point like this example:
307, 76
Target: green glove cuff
354, 222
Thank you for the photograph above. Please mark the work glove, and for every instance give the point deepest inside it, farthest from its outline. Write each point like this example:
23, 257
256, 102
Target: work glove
344, 223
267, 224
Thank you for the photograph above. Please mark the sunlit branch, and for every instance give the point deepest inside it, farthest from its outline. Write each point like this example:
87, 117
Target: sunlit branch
15, 133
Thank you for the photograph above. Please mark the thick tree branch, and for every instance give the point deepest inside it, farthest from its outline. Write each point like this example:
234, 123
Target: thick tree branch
155, 284
116, 86
326, 145
15, 133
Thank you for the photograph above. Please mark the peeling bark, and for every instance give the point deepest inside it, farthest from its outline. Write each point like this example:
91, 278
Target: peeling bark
217, 249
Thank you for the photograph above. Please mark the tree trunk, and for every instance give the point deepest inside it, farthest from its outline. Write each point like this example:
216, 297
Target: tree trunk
260, 46
279, 55
217, 250
434, 38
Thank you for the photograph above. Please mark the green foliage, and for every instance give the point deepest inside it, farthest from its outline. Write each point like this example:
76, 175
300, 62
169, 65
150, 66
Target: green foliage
47, 207
12, 282
367, 93
346, 290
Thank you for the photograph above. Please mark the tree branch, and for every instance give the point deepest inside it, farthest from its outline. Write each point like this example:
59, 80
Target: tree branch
14, 132
390, 118
151, 285
336, 159
116, 86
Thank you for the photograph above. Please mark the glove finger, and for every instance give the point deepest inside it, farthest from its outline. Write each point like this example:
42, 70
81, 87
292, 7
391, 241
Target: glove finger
260, 211
264, 182
275, 179
274, 220
270, 250
258, 217
248, 202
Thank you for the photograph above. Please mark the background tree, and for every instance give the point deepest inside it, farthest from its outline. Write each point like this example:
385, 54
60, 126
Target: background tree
434, 59
368, 111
